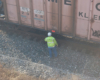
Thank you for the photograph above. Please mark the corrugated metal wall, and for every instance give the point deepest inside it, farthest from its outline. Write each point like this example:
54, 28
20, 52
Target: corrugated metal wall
12, 10
78, 18
88, 19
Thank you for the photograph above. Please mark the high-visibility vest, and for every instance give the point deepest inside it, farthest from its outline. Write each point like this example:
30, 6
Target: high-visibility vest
51, 42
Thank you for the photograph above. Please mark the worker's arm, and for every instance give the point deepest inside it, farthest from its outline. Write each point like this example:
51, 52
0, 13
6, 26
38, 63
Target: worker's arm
55, 42
45, 39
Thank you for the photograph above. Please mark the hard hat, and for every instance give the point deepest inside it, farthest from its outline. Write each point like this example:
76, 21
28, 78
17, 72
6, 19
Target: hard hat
49, 33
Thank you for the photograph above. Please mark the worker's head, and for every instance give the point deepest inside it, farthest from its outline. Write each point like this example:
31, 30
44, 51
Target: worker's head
49, 33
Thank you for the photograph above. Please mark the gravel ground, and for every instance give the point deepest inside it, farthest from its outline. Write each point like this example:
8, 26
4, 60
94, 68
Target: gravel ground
68, 60
37, 52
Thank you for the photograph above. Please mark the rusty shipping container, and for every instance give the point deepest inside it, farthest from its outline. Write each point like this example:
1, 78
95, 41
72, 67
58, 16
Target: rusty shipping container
73, 18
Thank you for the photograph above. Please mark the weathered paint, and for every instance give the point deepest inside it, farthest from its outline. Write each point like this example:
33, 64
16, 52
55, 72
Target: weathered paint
82, 18
67, 16
38, 11
12, 10
52, 15
88, 19
11, 2
25, 12
95, 27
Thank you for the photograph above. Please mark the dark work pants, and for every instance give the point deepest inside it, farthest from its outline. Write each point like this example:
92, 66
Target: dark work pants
50, 51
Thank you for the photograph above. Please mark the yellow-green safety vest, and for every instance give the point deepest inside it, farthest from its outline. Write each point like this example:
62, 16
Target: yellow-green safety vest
51, 42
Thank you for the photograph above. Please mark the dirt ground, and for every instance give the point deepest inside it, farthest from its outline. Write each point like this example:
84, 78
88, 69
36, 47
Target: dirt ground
11, 74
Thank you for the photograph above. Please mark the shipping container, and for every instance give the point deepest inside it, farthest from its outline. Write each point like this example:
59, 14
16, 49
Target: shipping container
72, 18
87, 19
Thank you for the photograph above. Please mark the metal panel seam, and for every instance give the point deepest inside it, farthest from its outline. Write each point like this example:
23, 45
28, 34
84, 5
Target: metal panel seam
18, 11
31, 12
74, 8
5, 11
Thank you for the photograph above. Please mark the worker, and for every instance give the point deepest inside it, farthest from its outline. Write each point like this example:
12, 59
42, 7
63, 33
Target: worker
51, 43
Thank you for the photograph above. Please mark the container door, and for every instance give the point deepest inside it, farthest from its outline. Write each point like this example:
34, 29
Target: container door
52, 14
38, 14
25, 12
95, 21
82, 18
67, 17
12, 10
